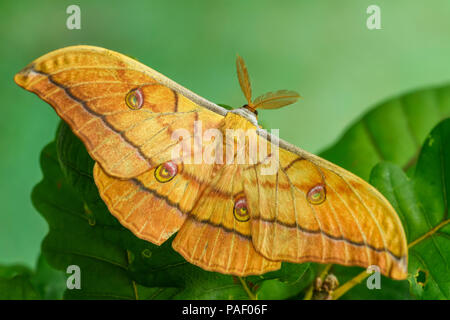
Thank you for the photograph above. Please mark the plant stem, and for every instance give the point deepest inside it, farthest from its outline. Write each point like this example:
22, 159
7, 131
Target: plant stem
339, 292
247, 289
323, 274
133, 283
429, 233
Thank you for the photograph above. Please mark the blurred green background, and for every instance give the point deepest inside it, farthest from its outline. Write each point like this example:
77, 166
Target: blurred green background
322, 49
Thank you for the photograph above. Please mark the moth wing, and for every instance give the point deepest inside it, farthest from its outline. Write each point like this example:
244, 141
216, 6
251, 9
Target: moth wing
151, 208
88, 87
213, 238
308, 209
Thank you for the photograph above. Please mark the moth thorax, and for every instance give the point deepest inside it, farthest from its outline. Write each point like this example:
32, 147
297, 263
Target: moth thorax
247, 114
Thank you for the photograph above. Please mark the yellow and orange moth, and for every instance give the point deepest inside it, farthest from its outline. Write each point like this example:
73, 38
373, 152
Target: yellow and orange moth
230, 217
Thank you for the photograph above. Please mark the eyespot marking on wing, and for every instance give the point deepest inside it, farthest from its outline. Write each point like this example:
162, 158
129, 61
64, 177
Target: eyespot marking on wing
135, 99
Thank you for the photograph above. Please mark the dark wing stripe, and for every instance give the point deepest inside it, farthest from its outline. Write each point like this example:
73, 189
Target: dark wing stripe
286, 225
95, 114
103, 117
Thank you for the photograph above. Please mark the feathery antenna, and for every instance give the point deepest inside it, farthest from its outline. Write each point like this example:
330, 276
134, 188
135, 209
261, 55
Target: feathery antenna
270, 100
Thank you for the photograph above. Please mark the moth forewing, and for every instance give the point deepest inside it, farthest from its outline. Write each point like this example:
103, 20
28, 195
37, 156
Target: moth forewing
306, 213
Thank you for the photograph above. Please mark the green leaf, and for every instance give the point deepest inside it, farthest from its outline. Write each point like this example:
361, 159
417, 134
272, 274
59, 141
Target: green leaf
18, 287
225, 106
75, 238
15, 283
50, 283
113, 262
285, 283
10, 271
165, 267
162, 266
422, 203
19, 282
392, 131
390, 289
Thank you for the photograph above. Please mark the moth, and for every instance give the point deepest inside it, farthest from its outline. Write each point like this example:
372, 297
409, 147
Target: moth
229, 216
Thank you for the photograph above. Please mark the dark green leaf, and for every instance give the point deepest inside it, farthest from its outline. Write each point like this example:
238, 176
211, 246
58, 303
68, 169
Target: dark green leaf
76, 238
18, 287
285, 283
392, 131
389, 289
50, 283
225, 106
16, 284
113, 262
10, 271
422, 203
45, 282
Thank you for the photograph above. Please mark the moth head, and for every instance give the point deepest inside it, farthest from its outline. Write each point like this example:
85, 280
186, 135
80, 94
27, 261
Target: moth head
270, 100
